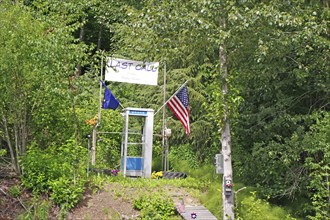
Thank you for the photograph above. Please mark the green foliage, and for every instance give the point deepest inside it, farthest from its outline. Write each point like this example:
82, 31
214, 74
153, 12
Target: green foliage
182, 158
57, 171
303, 165
155, 206
252, 207
156, 158
247, 204
38, 210
15, 191
205, 173
37, 58
317, 146
38, 167
276, 50
152, 196
3, 152
212, 198
66, 192
278, 60
109, 144
98, 181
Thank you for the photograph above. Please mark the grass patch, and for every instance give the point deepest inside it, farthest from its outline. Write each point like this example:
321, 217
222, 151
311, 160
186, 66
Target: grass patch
148, 193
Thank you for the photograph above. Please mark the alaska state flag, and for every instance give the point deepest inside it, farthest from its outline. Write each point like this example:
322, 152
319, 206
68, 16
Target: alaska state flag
109, 100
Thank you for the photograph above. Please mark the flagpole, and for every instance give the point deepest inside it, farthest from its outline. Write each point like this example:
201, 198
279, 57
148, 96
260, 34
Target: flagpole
172, 96
121, 105
98, 118
100, 95
164, 159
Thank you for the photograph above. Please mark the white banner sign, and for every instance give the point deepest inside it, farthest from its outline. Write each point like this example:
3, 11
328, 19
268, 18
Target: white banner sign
130, 71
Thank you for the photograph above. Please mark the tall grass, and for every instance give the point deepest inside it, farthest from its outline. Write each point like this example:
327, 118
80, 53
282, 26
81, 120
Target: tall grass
247, 204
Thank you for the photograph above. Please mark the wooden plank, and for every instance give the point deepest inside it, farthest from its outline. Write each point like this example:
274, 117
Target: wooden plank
201, 213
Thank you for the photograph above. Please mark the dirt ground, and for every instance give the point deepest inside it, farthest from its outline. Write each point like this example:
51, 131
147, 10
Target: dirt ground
107, 204
103, 205
10, 206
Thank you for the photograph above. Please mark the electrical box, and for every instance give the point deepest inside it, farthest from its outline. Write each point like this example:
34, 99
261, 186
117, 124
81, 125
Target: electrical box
218, 163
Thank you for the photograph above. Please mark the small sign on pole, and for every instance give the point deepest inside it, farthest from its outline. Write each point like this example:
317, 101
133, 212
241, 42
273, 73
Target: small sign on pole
219, 163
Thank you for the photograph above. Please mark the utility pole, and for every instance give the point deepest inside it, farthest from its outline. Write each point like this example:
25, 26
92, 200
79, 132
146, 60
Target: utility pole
227, 182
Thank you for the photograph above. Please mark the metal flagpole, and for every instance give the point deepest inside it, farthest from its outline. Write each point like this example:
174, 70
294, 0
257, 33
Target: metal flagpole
98, 118
88, 152
172, 96
100, 97
164, 159
165, 145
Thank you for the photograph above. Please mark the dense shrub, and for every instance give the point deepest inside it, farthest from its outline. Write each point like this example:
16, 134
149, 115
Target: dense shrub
39, 209
155, 206
60, 172
182, 158
251, 207
66, 192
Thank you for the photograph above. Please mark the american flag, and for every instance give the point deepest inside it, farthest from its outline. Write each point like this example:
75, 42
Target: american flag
179, 105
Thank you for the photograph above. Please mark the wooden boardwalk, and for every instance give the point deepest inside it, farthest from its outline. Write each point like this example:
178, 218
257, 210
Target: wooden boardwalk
195, 212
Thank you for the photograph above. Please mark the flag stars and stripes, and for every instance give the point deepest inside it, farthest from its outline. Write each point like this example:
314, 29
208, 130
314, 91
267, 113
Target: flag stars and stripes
179, 105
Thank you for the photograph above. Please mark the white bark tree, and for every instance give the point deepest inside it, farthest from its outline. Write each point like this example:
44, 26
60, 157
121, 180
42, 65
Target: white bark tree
227, 182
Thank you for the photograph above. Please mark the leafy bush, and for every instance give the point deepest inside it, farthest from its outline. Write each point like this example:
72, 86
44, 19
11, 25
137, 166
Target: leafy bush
254, 208
317, 145
60, 172
205, 173
39, 167
3, 152
155, 206
108, 154
15, 191
109, 144
183, 159
66, 192
248, 206
38, 210
212, 199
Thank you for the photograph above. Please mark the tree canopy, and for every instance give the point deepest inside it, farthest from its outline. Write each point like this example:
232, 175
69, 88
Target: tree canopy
278, 56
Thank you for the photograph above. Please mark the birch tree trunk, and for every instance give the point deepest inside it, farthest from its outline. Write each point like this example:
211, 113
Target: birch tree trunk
227, 196
24, 128
17, 147
99, 39
10, 146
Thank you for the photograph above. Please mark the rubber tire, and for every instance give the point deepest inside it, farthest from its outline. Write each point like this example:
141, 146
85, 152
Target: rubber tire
174, 175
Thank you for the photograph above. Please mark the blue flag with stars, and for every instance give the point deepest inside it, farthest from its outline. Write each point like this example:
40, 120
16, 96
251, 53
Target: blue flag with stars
109, 101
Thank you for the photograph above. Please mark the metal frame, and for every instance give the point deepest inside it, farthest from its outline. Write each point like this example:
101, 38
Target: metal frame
146, 141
